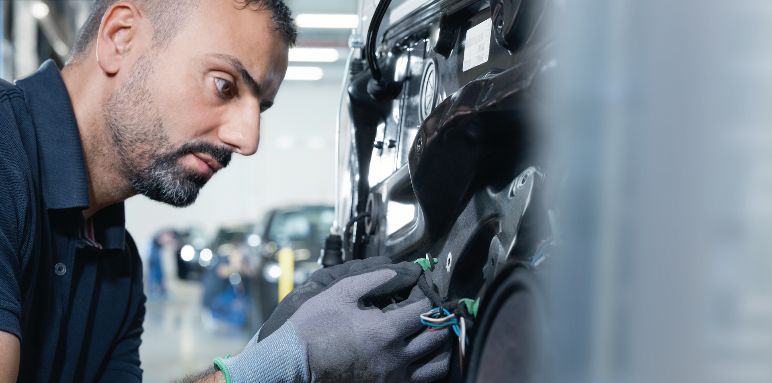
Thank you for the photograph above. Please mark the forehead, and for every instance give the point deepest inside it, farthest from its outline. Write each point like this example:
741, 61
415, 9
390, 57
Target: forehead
226, 27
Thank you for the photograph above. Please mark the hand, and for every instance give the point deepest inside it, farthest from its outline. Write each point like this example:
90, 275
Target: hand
352, 331
316, 283
348, 339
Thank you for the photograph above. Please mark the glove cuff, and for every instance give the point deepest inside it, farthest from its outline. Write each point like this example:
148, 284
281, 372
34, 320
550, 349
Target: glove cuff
280, 357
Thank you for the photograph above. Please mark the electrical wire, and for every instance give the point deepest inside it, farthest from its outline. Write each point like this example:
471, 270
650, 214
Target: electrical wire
372, 37
356, 219
440, 317
462, 342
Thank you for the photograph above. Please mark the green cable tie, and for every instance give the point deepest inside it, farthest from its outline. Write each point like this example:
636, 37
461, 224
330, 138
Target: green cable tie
472, 305
218, 364
424, 263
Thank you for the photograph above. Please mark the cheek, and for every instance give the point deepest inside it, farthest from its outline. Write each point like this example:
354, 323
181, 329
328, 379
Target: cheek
187, 108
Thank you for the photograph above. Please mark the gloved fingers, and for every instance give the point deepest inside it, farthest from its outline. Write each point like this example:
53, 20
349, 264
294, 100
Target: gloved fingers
351, 289
416, 294
397, 289
433, 370
288, 306
427, 343
409, 317
317, 282
328, 275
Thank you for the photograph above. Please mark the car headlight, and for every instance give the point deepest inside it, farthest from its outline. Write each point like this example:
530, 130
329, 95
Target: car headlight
187, 253
271, 272
206, 255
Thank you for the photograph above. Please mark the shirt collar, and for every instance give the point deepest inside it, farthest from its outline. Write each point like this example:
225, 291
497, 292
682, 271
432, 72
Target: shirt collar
110, 227
65, 182
62, 165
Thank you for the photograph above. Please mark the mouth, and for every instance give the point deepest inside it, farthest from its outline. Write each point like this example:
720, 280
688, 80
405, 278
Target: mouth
206, 165
209, 161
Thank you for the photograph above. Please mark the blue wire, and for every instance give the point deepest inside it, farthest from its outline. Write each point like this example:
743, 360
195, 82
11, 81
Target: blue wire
453, 323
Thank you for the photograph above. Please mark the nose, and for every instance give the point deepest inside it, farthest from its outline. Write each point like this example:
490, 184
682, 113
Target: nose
242, 130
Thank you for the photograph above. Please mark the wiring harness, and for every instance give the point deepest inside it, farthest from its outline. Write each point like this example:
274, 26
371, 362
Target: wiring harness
456, 315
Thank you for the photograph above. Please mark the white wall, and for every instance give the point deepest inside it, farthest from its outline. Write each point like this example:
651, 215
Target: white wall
294, 164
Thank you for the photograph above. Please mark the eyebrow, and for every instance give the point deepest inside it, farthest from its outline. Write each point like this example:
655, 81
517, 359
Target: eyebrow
253, 85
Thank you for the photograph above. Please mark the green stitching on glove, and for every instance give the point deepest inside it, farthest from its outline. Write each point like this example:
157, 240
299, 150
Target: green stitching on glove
218, 364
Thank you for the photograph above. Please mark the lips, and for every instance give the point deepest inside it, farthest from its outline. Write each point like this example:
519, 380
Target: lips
213, 164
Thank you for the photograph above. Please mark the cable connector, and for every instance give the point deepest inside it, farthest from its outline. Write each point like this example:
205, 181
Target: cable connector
427, 263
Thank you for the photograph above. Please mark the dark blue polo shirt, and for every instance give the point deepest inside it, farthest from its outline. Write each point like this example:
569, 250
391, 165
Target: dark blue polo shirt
70, 290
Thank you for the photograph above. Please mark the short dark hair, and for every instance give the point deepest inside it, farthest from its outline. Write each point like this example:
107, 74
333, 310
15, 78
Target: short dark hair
168, 15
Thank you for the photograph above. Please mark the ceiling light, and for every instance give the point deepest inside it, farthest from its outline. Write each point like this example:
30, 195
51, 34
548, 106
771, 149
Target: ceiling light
285, 142
304, 73
324, 55
39, 10
327, 21
315, 142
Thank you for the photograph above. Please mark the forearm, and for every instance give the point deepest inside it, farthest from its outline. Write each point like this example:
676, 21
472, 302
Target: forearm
9, 357
210, 375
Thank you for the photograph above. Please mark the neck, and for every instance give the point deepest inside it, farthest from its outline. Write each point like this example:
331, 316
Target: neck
106, 185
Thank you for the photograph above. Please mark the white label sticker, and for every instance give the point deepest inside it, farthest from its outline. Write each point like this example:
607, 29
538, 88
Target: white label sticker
477, 45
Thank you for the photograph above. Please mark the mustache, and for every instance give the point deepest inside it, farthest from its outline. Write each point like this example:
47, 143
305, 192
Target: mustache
218, 153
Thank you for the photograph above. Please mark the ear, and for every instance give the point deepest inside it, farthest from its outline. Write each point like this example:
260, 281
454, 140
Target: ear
120, 32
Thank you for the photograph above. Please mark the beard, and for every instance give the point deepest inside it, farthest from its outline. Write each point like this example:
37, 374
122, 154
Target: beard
146, 157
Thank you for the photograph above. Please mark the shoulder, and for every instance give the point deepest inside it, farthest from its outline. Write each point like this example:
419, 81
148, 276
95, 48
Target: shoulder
11, 100
17, 188
13, 115
7, 88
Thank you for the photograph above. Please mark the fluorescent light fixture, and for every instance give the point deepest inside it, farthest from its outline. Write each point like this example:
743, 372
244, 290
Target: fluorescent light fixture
39, 10
285, 142
315, 143
322, 55
304, 73
326, 21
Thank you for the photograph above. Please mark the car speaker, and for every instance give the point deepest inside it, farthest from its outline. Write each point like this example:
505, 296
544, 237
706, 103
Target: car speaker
509, 335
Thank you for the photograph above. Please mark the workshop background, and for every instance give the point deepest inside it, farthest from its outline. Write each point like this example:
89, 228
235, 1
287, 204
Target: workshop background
293, 167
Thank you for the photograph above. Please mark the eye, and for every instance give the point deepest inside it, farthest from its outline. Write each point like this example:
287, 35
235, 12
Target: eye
225, 88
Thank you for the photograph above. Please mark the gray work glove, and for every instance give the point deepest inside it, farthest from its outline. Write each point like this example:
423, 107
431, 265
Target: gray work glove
321, 280
350, 332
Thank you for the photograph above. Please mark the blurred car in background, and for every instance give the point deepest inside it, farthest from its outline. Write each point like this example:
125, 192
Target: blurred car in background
299, 228
230, 263
192, 254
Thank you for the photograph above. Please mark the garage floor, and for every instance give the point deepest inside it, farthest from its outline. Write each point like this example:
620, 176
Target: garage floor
179, 340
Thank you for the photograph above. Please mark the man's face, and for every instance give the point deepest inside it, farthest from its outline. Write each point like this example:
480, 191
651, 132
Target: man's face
186, 106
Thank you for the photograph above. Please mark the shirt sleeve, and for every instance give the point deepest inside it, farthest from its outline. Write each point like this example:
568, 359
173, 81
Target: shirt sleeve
124, 363
14, 226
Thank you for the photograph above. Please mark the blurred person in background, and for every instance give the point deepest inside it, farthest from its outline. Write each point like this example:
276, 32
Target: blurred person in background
154, 99
160, 263
155, 272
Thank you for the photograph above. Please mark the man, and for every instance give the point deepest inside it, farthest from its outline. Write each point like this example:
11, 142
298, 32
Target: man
156, 97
